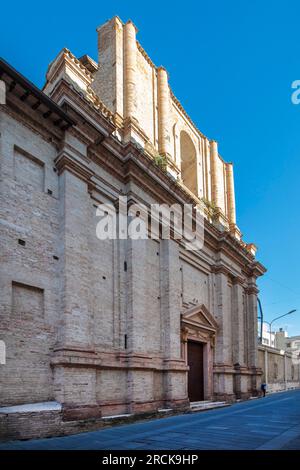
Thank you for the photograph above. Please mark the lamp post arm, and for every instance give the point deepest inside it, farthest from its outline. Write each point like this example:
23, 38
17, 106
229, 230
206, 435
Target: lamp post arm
284, 315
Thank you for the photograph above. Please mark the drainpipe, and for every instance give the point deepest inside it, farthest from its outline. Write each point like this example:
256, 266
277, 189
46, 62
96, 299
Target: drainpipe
261, 320
285, 371
266, 366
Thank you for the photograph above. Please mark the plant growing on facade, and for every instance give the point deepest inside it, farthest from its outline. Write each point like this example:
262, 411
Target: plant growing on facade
161, 161
210, 209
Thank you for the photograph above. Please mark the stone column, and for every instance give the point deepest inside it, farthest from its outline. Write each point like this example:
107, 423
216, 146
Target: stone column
170, 279
230, 195
216, 187
130, 52
76, 328
252, 292
207, 170
163, 111
136, 286
223, 370
238, 322
238, 338
252, 324
175, 374
74, 384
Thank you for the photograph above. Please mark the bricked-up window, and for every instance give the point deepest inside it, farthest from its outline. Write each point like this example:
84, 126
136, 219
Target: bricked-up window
28, 170
275, 372
27, 301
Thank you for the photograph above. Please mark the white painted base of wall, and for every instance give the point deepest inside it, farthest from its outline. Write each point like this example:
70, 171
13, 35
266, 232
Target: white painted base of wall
280, 387
32, 407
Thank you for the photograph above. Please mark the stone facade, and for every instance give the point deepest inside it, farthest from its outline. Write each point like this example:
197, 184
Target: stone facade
103, 327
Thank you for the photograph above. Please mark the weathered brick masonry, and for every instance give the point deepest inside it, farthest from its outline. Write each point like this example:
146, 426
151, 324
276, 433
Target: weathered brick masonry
105, 327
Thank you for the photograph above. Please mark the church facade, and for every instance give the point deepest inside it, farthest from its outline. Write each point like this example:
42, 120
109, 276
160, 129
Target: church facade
97, 328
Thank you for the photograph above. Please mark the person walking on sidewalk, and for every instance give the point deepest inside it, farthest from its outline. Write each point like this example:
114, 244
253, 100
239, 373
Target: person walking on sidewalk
263, 388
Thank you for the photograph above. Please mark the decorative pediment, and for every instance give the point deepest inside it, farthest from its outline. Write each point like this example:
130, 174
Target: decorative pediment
198, 316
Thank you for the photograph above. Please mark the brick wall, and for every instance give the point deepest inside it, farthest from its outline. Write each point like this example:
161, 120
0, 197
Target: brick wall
28, 273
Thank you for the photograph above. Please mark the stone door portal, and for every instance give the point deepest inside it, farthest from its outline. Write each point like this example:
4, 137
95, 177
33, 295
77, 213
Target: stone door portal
195, 374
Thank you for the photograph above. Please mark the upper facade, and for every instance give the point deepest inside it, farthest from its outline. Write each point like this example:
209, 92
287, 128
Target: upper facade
137, 96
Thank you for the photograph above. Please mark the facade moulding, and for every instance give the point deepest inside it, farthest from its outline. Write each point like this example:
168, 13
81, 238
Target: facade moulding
133, 157
31, 121
252, 290
189, 198
64, 94
99, 116
102, 360
65, 55
65, 161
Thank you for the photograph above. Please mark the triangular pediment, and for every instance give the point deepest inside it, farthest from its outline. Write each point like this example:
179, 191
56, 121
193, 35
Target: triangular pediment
200, 317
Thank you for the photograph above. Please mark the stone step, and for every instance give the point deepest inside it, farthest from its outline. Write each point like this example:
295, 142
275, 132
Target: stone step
203, 402
208, 405
165, 410
116, 417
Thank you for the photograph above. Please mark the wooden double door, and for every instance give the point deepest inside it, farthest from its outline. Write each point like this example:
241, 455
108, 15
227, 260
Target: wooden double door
196, 371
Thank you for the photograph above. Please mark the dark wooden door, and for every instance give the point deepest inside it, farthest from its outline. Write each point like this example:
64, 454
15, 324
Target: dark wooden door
195, 374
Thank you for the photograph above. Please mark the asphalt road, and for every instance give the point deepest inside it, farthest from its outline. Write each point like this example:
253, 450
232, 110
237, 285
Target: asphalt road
266, 423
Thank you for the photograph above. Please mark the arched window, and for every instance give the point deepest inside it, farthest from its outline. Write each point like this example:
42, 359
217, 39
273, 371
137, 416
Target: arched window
188, 162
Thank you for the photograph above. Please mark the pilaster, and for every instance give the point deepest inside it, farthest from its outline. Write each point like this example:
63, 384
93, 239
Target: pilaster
215, 183
252, 292
238, 326
163, 112
223, 368
230, 196
130, 51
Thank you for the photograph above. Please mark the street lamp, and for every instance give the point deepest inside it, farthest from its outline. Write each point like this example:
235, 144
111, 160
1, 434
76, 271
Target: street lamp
277, 318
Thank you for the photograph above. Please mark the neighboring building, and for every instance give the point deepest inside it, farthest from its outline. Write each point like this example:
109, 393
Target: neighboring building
268, 337
116, 326
279, 361
281, 339
280, 369
291, 344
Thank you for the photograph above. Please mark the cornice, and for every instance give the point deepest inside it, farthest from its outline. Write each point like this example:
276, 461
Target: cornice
183, 111
72, 357
66, 56
32, 121
238, 280
129, 169
90, 98
99, 105
173, 97
145, 55
65, 161
63, 88
232, 276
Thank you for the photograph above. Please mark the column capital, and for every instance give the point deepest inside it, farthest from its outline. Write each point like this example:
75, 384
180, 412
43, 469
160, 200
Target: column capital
252, 290
221, 269
238, 280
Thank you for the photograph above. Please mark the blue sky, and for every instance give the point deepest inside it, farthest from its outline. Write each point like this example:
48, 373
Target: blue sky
231, 64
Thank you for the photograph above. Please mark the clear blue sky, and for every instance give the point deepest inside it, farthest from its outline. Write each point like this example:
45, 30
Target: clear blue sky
231, 64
